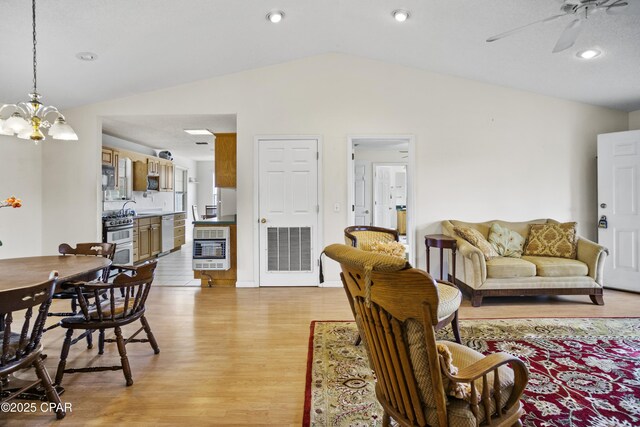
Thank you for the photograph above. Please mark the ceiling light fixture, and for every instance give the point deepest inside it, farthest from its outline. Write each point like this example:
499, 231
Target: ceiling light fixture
275, 16
400, 15
29, 117
86, 56
588, 54
198, 132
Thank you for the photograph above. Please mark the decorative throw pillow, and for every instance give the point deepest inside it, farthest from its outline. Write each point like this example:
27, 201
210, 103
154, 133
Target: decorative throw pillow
556, 240
392, 248
476, 238
506, 242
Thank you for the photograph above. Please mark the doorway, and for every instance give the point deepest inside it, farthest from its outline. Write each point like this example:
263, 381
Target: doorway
619, 208
380, 185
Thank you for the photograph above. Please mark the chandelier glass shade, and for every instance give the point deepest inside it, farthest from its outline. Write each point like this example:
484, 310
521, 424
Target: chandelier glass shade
27, 119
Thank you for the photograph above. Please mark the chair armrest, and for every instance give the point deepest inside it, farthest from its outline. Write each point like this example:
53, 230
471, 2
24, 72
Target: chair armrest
594, 256
467, 250
480, 369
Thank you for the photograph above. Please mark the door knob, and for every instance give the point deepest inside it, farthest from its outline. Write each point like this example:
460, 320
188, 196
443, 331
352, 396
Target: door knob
263, 220
366, 212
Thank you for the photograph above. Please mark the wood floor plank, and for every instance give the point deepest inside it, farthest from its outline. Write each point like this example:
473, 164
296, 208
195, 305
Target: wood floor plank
237, 357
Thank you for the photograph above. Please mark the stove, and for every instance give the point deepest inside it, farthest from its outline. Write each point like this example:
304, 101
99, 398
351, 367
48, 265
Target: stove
117, 227
117, 219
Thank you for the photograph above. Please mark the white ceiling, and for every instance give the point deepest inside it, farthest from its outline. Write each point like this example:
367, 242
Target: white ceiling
167, 132
145, 45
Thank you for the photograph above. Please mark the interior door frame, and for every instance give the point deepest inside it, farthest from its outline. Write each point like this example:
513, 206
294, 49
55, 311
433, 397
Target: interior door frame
411, 195
256, 199
373, 179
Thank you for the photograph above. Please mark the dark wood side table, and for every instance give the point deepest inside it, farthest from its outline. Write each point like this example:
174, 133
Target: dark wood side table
442, 242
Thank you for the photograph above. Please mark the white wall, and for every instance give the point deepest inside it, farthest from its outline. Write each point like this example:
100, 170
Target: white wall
21, 176
482, 151
634, 120
204, 188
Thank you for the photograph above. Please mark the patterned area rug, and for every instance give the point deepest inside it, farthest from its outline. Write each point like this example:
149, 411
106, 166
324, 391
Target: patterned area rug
583, 372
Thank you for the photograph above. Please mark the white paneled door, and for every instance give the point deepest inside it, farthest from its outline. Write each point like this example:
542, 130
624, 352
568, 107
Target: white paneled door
288, 212
619, 207
362, 192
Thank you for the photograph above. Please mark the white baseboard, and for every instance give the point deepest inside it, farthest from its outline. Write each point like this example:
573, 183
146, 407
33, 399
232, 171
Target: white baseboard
331, 284
250, 284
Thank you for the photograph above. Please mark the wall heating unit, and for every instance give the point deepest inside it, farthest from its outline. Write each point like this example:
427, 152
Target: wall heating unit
211, 248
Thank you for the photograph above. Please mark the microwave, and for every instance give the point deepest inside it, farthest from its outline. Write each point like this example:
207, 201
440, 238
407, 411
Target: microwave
108, 177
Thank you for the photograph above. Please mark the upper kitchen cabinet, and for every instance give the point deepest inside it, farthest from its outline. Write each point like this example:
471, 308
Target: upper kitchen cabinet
166, 176
153, 166
225, 160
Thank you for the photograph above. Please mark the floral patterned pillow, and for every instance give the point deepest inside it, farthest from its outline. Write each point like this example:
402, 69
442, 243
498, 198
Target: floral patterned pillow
389, 248
506, 242
476, 238
556, 240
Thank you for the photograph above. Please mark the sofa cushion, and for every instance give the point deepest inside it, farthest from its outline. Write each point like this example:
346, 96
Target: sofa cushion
557, 267
476, 238
556, 240
505, 268
506, 242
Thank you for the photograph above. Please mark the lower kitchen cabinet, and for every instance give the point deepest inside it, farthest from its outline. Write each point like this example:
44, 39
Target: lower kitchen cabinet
179, 230
149, 238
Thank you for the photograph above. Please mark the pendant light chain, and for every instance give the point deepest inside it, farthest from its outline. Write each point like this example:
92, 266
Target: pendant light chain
35, 63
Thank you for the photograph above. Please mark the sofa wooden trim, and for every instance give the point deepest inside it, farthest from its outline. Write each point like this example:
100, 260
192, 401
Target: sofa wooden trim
476, 295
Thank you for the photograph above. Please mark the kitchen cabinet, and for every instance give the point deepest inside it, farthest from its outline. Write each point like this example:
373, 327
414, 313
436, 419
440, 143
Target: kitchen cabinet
179, 230
140, 174
225, 160
149, 237
166, 176
107, 156
153, 166
156, 239
144, 242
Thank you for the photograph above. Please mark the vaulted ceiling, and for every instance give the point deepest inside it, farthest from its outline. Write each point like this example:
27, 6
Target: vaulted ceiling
144, 45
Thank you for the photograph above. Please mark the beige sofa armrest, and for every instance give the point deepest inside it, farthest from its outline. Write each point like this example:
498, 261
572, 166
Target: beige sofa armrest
594, 256
467, 250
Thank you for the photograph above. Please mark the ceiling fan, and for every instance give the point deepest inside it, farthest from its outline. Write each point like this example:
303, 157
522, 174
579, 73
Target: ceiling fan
580, 11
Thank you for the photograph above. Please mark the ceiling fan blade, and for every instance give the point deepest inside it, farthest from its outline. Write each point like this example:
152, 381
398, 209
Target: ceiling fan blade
568, 36
515, 30
621, 7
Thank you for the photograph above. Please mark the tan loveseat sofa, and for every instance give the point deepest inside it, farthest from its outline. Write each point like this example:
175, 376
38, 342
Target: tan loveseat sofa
529, 275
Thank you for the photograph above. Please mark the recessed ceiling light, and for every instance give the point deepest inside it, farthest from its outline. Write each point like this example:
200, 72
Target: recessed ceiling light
86, 56
198, 132
275, 16
588, 54
202, 143
400, 15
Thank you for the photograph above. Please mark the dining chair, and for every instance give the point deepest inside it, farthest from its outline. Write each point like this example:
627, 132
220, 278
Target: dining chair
194, 211
421, 381
67, 290
23, 349
113, 311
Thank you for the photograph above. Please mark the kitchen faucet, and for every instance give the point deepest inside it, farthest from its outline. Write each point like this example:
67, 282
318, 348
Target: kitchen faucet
125, 204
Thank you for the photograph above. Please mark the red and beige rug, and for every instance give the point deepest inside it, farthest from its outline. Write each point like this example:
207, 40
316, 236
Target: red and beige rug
583, 372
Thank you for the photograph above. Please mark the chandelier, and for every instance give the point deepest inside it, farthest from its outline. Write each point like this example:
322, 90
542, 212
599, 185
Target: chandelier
26, 119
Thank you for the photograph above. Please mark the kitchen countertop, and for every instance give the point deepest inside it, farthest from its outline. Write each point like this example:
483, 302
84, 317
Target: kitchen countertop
223, 220
151, 214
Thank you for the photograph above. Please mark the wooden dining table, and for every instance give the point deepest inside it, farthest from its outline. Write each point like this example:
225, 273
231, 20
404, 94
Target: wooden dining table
18, 273
24, 272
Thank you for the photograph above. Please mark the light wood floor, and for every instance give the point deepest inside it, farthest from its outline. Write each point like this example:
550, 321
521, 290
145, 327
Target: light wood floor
238, 356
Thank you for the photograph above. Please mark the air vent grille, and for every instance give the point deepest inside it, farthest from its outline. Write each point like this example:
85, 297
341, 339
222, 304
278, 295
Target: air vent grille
289, 249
